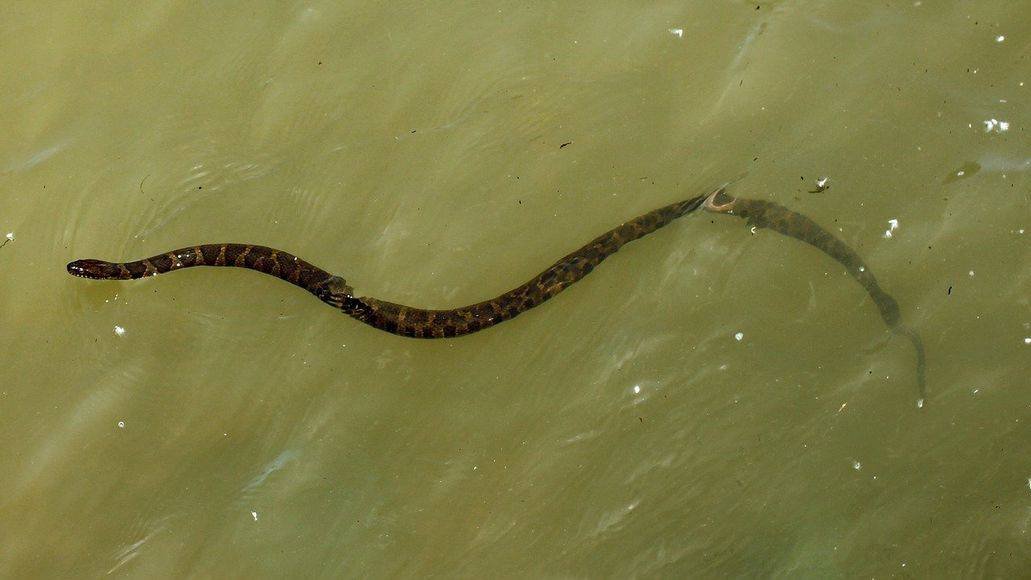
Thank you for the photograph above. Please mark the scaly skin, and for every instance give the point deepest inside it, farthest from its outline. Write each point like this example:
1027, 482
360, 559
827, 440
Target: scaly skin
423, 323
388, 316
767, 214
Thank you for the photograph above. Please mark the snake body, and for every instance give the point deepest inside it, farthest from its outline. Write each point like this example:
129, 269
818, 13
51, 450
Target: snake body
424, 323
771, 215
396, 318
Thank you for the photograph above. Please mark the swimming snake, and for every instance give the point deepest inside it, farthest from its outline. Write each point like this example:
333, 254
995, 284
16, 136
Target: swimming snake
425, 323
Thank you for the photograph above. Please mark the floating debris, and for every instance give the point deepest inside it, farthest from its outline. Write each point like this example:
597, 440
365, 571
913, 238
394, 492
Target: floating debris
968, 169
821, 185
893, 224
996, 125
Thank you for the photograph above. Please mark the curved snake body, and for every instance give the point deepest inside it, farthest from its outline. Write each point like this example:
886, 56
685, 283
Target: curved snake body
388, 316
425, 323
767, 214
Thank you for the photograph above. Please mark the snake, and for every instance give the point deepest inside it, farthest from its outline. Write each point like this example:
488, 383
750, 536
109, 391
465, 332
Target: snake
388, 316
760, 213
413, 322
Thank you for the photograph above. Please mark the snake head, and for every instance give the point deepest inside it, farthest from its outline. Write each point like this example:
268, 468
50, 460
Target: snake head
96, 270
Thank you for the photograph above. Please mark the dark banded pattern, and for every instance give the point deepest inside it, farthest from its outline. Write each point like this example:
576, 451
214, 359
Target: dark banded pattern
388, 316
767, 214
422, 323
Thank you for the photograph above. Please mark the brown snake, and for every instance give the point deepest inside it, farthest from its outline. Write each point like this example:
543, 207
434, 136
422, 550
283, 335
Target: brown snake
423, 323
396, 318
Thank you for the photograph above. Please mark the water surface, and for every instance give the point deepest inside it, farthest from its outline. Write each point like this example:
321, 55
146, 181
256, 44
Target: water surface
709, 402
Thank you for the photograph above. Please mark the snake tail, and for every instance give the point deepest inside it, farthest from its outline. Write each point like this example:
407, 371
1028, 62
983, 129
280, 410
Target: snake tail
767, 214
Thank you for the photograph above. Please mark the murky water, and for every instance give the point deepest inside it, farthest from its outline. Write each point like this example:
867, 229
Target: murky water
709, 402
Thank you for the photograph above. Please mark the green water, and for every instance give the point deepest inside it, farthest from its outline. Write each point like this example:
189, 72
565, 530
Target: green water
218, 423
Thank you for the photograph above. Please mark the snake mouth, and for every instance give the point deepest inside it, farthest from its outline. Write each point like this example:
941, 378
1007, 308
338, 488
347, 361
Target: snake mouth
719, 202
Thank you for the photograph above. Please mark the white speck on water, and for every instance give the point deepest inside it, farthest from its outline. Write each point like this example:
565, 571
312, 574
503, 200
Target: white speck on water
822, 181
121, 424
119, 331
1027, 340
10, 236
1000, 38
857, 465
975, 391
637, 389
254, 515
920, 403
738, 336
996, 125
893, 224
862, 268
971, 273
960, 173
678, 32
724, 367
